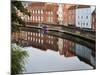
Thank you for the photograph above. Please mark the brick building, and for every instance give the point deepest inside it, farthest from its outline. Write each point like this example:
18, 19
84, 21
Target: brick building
42, 13
51, 13
65, 13
72, 15
36, 10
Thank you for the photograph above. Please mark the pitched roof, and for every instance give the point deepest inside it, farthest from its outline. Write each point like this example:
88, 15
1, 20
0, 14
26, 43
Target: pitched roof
83, 6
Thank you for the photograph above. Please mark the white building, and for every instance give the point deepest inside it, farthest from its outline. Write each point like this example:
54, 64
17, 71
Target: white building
83, 16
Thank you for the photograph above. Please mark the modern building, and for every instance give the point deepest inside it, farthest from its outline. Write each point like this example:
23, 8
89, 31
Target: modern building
83, 16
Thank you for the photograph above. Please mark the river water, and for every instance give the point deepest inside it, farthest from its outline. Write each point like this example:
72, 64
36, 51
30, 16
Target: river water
49, 53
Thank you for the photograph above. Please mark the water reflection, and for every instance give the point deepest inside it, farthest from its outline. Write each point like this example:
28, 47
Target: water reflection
64, 47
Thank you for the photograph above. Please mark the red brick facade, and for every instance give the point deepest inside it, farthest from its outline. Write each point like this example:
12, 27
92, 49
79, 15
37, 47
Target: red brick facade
36, 10
51, 13
65, 14
42, 13
72, 15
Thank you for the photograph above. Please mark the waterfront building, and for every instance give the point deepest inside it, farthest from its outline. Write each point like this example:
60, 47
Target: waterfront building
41, 12
83, 16
72, 15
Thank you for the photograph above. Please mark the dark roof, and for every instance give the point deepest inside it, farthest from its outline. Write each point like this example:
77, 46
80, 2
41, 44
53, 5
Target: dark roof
83, 6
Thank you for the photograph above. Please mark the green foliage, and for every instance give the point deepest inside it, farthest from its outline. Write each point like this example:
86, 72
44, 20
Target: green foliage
17, 59
16, 20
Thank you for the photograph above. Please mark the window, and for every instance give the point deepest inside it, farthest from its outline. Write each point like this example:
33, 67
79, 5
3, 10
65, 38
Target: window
28, 17
33, 17
86, 23
51, 13
51, 19
41, 11
38, 11
78, 23
36, 18
41, 18
81, 17
48, 19
33, 11
86, 17
83, 23
78, 17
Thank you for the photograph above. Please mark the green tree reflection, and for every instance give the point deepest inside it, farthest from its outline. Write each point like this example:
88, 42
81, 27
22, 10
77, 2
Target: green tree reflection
17, 59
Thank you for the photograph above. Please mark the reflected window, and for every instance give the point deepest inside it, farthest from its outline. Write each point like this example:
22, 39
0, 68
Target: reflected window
33, 11
41, 18
78, 17
41, 11
33, 17
38, 11
81, 17
78, 23
51, 12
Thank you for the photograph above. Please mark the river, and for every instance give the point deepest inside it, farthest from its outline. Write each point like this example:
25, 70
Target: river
49, 52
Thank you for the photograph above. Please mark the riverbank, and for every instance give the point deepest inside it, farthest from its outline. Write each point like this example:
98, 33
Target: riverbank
74, 34
86, 36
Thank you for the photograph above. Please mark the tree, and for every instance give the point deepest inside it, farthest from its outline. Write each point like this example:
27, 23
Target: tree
16, 20
17, 55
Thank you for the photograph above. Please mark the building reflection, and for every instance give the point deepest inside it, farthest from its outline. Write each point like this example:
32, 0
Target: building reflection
44, 42
64, 47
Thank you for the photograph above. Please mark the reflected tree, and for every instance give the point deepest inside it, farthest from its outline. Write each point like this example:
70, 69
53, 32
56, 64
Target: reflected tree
18, 59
